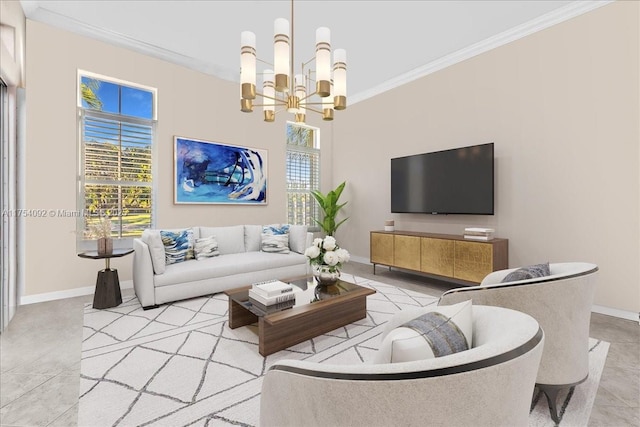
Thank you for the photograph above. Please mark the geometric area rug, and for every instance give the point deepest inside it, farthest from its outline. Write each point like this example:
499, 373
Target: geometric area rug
181, 365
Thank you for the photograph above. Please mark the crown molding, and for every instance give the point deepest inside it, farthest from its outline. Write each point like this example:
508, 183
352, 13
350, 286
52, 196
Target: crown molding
36, 12
547, 20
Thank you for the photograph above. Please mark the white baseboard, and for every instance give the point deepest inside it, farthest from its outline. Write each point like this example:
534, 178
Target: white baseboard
623, 314
70, 293
361, 260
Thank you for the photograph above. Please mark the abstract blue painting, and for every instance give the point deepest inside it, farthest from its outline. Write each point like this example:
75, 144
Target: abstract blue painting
211, 172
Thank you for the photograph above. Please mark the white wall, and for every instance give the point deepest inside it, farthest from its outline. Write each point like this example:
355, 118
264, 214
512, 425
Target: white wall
562, 107
191, 104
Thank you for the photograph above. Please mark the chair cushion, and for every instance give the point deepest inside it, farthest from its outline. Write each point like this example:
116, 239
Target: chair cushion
153, 239
206, 247
530, 272
438, 331
178, 245
275, 238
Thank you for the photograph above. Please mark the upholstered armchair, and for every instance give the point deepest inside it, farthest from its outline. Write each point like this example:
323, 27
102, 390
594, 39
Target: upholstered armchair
489, 384
561, 303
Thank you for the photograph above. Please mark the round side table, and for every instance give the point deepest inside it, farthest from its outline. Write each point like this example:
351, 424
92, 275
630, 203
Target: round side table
107, 292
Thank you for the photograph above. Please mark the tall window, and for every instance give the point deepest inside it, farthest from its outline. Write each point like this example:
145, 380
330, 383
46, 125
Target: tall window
117, 127
303, 174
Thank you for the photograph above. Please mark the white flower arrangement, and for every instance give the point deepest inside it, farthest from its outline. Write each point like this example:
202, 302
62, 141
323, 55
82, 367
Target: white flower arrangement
326, 252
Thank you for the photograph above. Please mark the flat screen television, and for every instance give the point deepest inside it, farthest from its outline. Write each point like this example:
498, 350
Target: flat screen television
456, 181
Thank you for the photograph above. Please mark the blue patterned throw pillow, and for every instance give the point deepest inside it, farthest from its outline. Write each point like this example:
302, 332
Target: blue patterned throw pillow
178, 245
530, 272
275, 238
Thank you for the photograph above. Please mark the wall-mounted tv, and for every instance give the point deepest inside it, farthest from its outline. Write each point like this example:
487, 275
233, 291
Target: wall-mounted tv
456, 181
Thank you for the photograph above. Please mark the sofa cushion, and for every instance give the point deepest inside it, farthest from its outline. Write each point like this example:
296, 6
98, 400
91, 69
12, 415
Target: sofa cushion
230, 239
252, 237
178, 245
153, 239
275, 238
298, 238
438, 331
529, 272
206, 247
226, 265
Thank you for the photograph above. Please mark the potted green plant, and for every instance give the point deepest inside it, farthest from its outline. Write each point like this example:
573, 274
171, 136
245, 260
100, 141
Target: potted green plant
330, 207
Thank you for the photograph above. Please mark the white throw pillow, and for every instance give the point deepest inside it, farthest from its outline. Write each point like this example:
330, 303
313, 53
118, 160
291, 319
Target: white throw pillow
298, 238
156, 248
206, 247
436, 331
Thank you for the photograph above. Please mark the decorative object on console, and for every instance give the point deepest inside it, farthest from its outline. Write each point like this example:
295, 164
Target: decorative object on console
389, 225
326, 259
330, 208
211, 172
478, 233
281, 88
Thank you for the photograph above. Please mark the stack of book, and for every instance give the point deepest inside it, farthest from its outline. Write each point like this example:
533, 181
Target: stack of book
477, 233
272, 296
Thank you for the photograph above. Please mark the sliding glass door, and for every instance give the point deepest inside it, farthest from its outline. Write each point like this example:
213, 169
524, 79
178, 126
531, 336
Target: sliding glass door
8, 252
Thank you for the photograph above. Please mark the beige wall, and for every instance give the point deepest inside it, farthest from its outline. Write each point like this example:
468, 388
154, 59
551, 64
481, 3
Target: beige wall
191, 104
562, 107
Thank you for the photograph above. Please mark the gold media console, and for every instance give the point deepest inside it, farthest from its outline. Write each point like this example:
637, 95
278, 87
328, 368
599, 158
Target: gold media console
445, 255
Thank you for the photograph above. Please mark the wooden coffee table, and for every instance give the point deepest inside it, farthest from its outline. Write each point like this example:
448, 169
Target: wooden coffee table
317, 310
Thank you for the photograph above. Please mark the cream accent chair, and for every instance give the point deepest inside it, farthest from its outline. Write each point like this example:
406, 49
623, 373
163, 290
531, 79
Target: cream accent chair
489, 384
561, 303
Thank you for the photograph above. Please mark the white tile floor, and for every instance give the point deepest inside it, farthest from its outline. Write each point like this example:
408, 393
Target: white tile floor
40, 360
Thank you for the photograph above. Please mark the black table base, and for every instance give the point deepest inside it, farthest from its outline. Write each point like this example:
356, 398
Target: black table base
107, 293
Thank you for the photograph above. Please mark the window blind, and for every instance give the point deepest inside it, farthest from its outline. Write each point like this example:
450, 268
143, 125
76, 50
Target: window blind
303, 175
117, 181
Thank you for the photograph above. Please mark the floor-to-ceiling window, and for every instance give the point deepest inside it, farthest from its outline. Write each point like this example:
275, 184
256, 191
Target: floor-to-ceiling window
117, 127
303, 174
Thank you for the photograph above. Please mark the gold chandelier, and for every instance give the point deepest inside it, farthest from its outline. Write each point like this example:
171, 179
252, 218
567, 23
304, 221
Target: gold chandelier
286, 91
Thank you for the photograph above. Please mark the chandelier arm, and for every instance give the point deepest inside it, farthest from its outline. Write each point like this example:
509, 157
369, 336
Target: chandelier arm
264, 62
314, 110
309, 95
270, 97
304, 104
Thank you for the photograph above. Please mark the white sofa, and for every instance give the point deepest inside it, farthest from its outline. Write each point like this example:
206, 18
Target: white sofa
240, 263
489, 385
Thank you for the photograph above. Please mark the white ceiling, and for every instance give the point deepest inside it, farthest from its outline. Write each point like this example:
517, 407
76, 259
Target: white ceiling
387, 42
